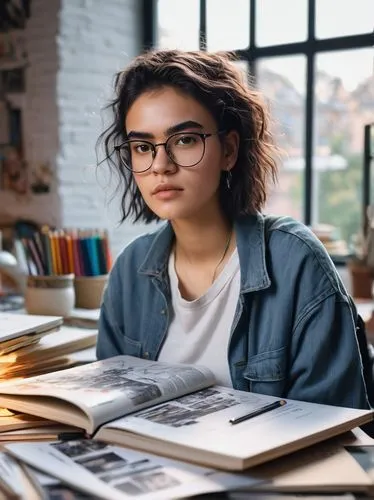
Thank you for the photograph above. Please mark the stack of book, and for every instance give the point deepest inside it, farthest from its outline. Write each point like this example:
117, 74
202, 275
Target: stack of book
33, 345
21, 330
157, 431
52, 352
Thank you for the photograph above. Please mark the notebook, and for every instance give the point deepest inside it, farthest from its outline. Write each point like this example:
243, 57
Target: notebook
13, 325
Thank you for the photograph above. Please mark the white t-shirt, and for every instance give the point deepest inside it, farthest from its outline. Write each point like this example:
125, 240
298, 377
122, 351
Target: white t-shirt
200, 329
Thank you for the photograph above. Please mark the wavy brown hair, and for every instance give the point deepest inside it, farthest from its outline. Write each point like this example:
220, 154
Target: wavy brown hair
216, 83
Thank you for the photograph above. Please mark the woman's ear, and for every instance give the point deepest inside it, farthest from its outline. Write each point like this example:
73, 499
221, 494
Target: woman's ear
231, 149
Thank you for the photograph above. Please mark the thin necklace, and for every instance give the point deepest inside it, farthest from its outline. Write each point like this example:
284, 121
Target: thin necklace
223, 256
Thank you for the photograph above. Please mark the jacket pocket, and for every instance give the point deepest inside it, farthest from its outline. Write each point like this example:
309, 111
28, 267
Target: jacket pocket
266, 372
131, 347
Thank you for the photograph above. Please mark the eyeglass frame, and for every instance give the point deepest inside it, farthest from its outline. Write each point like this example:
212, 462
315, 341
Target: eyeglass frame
202, 136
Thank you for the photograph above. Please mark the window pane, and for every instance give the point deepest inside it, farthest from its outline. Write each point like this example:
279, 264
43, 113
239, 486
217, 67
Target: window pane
283, 81
353, 17
344, 103
227, 24
178, 24
281, 21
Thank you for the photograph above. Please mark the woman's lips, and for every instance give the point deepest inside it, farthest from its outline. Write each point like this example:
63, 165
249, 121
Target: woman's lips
166, 191
167, 194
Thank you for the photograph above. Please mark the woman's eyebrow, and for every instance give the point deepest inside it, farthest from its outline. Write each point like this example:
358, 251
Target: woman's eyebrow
179, 127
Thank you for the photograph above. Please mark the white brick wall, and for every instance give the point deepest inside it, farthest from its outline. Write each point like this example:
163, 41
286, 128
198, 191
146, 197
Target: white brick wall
95, 40
40, 122
75, 47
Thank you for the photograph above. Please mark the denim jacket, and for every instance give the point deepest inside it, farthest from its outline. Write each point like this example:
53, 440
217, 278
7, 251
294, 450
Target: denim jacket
293, 333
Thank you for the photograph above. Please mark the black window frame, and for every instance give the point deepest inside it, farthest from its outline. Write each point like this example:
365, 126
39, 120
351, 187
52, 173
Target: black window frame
310, 48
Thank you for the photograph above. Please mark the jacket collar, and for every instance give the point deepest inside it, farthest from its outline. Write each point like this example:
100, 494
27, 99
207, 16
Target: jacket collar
251, 244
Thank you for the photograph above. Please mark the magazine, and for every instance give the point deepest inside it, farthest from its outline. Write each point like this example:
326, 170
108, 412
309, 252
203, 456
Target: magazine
177, 411
105, 471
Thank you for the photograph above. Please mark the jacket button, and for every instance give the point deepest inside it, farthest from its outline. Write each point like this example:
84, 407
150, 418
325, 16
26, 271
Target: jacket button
163, 311
146, 355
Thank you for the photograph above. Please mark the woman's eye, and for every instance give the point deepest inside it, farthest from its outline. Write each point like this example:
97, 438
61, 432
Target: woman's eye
186, 140
142, 148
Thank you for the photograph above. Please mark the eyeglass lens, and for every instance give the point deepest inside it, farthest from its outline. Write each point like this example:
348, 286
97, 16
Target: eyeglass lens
185, 150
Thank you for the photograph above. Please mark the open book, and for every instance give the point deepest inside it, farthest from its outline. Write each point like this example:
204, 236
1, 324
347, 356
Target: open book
105, 471
176, 411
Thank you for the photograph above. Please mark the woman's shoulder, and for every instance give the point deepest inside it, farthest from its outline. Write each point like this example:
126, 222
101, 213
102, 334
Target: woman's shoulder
284, 229
287, 238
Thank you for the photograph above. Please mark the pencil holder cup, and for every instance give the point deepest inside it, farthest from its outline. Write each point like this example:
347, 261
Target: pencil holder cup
89, 291
50, 295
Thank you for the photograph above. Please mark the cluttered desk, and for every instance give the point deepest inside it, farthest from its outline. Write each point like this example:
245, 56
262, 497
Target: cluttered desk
74, 428
68, 426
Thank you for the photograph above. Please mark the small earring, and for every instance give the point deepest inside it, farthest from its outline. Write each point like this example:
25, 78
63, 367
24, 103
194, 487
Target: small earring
228, 179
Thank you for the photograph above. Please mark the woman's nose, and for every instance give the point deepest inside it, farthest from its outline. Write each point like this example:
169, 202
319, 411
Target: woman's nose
162, 162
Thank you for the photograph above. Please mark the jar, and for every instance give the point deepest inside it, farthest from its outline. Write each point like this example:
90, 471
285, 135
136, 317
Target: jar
50, 295
89, 291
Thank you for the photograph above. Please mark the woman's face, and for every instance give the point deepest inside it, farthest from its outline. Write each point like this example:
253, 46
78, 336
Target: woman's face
174, 192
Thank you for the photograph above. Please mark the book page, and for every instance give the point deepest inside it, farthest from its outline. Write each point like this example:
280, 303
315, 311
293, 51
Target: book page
64, 341
50, 487
117, 473
12, 477
26, 361
105, 390
364, 455
325, 466
200, 422
10, 421
47, 433
14, 325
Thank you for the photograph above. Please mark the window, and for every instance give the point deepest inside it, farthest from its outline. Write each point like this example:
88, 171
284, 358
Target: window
227, 28
343, 105
178, 24
281, 21
355, 16
282, 80
317, 75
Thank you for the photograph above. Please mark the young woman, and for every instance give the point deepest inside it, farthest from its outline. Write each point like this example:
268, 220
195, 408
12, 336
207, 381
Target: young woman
254, 298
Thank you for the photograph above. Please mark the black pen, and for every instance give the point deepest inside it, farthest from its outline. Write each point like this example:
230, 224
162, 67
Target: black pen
259, 411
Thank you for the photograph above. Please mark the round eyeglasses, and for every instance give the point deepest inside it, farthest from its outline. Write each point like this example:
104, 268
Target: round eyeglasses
185, 149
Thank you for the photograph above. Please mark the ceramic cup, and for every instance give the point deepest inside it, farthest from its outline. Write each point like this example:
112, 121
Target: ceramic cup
50, 295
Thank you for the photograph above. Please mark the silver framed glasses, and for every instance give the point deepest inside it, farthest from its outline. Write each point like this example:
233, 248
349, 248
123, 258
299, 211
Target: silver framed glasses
185, 149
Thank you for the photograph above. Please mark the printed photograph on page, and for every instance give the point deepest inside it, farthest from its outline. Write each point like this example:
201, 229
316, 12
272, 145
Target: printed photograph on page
136, 383
122, 473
